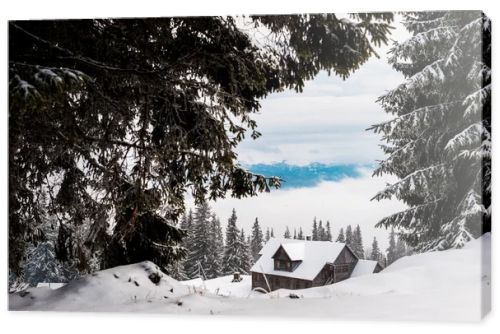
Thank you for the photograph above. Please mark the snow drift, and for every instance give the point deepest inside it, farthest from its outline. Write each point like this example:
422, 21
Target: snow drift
116, 289
451, 285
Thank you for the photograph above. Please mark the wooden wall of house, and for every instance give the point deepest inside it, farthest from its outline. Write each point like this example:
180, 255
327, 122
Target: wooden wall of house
344, 265
325, 276
346, 256
279, 282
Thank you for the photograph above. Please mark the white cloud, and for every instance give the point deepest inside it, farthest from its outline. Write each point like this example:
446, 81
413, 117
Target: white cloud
326, 129
326, 122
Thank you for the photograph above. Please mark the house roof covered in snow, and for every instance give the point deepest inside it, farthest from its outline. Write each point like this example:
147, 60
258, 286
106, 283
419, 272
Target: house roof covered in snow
294, 250
313, 254
364, 267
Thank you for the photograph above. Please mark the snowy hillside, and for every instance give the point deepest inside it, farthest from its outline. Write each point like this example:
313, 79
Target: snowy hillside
443, 286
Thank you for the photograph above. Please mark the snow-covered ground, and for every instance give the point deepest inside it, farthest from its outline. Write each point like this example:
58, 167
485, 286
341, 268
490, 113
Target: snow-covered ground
223, 286
444, 286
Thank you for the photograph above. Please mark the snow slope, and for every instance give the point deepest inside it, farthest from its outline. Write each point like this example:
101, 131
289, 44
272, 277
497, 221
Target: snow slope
450, 285
223, 286
121, 288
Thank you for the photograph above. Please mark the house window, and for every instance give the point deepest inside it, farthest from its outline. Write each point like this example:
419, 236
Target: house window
282, 265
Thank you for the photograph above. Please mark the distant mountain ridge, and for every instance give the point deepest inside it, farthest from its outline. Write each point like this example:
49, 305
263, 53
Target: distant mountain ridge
309, 175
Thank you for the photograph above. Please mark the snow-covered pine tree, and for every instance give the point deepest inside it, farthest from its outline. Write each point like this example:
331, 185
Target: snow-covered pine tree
42, 266
300, 235
176, 271
186, 224
368, 253
439, 143
199, 258
272, 232
383, 260
41, 263
315, 230
375, 254
321, 231
257, 239
232, 258
216, 248
246, 254
328, 231
287, 234
348, 236
341, 237
295, 233
391, 250
268, 234
400, 248
357, 243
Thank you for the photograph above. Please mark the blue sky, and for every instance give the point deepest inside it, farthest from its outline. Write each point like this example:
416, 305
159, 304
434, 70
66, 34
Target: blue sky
317, 141
298, 176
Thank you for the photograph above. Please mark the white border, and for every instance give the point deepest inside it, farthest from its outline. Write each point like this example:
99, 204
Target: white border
129, 323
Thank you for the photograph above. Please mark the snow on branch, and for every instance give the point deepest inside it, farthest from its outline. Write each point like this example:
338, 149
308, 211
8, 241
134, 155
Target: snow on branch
475, 102
413, 46
409, 219
420, 182
432, 77
468, 139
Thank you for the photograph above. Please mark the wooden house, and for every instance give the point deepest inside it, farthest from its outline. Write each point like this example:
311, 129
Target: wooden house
300, 264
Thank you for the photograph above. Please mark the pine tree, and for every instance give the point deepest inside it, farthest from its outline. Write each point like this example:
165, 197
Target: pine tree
295, 233
257, 239
391, 250
375, 253
187, 263
300, 235
176, 269
268, 234
216, 248
383, 262
230, 260
439, 143
400, 248
315, 230
43, 267
341, 237
368, 253
287, 235
321, 231
246, 254
348, 236
328, 232
272, 232
237, 252
357, 243
200, 258
132, 125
